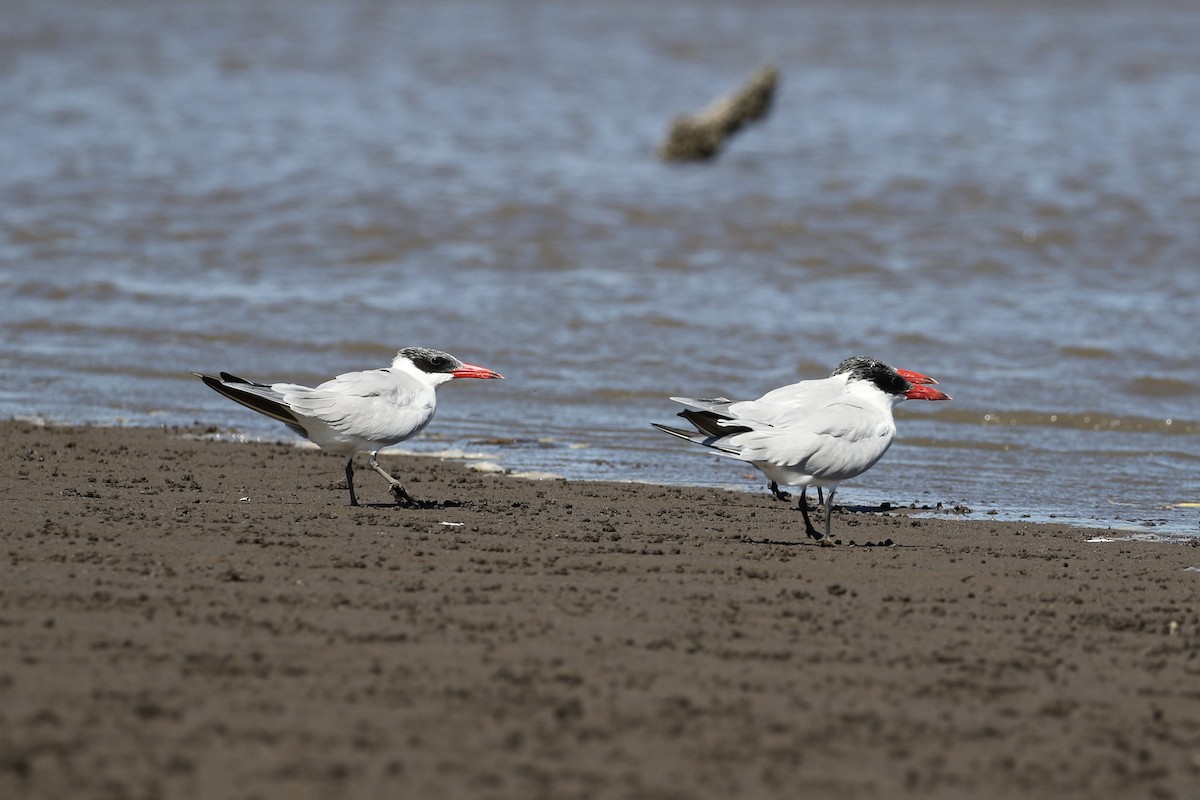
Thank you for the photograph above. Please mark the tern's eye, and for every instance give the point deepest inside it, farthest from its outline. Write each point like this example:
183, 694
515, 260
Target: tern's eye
437, 361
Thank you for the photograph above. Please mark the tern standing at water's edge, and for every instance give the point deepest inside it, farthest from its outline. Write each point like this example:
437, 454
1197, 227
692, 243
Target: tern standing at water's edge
357, 411
811, 433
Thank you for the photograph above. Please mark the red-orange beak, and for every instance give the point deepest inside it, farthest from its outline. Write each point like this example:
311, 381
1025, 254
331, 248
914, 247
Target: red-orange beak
472, 371
925, 393
916, 378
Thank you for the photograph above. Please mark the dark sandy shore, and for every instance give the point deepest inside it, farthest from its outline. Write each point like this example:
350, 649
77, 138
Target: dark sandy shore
193, 619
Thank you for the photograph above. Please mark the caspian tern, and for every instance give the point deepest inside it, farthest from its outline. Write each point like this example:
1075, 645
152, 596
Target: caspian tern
806, 391
811, 433
357, 411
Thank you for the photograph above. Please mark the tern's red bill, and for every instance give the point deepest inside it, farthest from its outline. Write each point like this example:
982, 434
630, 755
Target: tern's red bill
924, 393
483, 373
916, 378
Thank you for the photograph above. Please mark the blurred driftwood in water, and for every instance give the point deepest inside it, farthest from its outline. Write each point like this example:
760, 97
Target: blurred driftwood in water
701, 137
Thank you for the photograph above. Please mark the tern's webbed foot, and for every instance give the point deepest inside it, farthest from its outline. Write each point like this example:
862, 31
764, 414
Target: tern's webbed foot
780, 494
403, 498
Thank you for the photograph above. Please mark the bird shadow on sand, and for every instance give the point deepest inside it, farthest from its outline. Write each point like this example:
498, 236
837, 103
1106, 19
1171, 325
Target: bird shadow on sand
875, 508
413, 505
887, 543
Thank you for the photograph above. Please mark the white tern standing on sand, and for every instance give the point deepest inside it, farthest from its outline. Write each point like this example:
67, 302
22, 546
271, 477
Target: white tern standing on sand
811, 433
357, 411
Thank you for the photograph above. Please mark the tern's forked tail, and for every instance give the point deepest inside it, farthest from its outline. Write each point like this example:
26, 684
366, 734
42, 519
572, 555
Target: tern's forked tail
252, 395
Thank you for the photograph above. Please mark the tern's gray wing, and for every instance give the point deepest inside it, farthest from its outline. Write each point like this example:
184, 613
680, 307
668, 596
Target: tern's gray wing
379, 405
837, 442
717, 405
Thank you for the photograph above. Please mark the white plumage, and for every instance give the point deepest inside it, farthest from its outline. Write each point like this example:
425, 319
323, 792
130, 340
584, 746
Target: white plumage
811, 433
357, 411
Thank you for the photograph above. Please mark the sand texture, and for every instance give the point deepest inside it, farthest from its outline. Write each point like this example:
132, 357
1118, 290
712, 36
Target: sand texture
196, 619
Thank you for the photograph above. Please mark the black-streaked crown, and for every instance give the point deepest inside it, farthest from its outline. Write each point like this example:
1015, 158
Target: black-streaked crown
427, 359
866, 368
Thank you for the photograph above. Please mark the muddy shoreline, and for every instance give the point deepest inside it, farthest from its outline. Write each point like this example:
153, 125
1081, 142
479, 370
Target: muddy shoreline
186, 618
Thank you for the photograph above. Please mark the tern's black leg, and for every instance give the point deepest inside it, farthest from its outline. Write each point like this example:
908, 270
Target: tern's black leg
779, 493
350, 480
809, 530
402, 497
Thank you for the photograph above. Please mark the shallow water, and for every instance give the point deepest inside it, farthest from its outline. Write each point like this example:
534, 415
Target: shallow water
1002, 197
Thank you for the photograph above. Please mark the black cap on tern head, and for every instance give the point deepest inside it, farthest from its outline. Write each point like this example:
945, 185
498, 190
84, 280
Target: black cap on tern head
867, 368
429, 360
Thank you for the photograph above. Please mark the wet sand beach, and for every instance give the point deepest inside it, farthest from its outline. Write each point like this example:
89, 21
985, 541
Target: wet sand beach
197, 619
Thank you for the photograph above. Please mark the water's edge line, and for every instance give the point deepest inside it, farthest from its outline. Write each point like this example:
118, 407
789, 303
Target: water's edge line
473, 462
